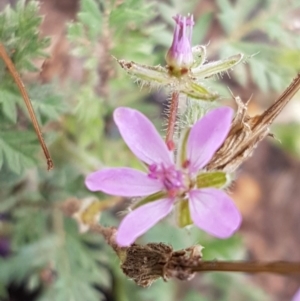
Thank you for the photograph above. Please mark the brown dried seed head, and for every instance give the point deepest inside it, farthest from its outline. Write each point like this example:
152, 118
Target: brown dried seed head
246, 132
145, 264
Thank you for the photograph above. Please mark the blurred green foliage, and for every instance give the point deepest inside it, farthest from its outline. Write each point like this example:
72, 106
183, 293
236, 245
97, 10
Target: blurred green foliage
77, 124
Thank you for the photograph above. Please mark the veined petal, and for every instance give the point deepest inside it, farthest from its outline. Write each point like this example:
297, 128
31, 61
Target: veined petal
123, 181
142, 219
213, 211
141, 137
206, 136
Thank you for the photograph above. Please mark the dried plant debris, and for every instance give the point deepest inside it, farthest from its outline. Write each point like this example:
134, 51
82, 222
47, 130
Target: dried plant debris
145, 264
246, 132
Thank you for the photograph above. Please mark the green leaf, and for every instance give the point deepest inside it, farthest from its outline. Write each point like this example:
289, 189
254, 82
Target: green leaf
269, 66
78, 271
31, 257
227, 16
89, 23
234, 16
75, 31
18, 149
261, 72
8, 105
45, 102
19, 32
201, 28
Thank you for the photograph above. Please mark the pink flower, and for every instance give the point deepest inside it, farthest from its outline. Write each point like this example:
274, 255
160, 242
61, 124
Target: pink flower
180, 54
210, 209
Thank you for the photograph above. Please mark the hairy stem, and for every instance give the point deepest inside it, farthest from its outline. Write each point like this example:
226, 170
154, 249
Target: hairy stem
109, 234
14, 73
172, 120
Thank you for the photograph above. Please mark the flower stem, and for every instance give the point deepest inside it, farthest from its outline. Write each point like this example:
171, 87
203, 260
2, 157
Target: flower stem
172, 120
10, 66
278, 267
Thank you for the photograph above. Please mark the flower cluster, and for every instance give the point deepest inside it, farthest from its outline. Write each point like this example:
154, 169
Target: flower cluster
167, 183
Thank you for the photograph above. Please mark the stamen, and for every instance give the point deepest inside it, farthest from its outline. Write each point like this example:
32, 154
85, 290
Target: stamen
171, 178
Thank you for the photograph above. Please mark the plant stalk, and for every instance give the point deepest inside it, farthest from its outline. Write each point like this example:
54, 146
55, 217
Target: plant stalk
14, 73
277, 267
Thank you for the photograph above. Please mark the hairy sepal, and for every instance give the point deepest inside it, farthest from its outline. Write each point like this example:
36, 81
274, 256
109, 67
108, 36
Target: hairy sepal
183, 214
199, 56
220, 66
151, 198
216, 179
157, 74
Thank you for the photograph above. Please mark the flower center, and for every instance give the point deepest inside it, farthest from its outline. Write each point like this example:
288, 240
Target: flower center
172, 178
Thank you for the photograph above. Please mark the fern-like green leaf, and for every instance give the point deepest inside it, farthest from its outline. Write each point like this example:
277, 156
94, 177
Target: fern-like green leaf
19, 32
18, 149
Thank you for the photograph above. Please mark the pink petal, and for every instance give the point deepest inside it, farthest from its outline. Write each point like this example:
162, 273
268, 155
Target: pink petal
123, 181
296, 296
206, 136
141, 137
213, 211
142, 219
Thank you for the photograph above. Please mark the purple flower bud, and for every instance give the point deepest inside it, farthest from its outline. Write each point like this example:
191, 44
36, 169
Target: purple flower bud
179, 56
